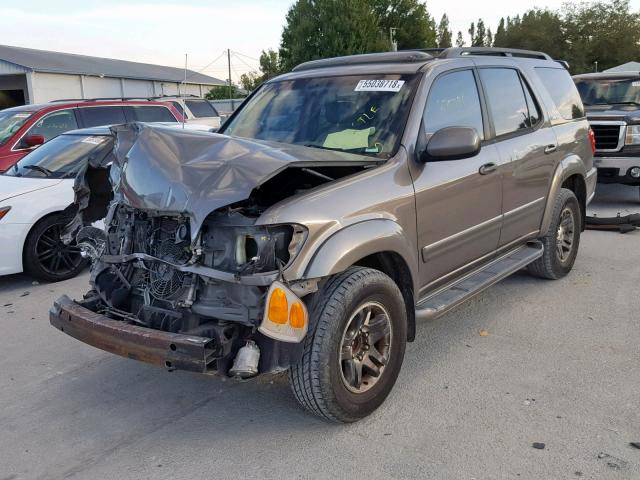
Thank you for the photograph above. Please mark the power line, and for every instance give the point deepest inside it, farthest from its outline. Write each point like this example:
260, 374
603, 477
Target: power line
247, 56
237, 57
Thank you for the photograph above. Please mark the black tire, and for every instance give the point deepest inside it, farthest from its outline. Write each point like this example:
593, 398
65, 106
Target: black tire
45, 257
318, 380
559, 257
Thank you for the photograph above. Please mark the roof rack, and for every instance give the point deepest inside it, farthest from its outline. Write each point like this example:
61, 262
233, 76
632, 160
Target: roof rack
490, 51
102, 99
406, 56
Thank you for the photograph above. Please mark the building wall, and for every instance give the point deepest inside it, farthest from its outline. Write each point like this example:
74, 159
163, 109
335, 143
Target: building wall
56, 86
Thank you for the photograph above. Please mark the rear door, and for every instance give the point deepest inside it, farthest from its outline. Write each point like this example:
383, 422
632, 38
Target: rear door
527, 148
458, 208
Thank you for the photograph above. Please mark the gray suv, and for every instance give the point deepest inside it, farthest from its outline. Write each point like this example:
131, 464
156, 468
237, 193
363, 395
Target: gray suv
341, 203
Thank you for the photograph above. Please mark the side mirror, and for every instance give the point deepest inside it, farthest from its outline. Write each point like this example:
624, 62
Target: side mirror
31, 141
452, 143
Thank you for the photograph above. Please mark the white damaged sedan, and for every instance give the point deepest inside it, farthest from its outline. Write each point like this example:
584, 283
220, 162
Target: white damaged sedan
36, 195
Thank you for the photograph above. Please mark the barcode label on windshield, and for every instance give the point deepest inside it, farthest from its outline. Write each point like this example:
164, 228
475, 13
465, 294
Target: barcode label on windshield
379, 85
94, 140
635, 84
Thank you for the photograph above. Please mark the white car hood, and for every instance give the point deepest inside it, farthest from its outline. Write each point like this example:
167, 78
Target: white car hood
14, 186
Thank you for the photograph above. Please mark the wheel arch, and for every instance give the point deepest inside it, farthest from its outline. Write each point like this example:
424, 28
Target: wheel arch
381, 244
570, 173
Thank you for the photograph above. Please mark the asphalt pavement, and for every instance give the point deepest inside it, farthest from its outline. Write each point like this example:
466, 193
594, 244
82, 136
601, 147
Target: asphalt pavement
558, 364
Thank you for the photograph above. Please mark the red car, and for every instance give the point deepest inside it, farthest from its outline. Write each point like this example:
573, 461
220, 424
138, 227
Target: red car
26, 127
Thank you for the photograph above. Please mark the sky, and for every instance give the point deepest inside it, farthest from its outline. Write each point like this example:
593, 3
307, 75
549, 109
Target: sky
163, 31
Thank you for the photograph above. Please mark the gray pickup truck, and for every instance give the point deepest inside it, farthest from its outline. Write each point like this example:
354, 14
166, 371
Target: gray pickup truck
340, 204
612, 102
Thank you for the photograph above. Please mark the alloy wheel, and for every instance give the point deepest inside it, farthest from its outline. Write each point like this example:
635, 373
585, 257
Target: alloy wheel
54, 256
365, 347
565, 235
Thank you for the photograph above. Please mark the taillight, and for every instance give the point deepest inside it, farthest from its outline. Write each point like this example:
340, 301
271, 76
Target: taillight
592, 140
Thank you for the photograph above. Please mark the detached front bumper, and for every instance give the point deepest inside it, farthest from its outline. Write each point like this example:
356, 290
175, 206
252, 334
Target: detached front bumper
616, 169
170, 350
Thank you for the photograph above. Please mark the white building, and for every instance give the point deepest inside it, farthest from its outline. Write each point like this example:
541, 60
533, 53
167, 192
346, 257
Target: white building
37, 76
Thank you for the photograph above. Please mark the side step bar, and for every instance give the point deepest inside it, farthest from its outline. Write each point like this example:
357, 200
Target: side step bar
443, 300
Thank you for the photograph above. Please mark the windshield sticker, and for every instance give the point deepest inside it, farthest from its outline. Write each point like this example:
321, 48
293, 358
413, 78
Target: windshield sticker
94, 140
379, 86
22, 115
635, 84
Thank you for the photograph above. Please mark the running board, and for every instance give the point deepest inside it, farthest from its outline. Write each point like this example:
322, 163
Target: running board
452, 295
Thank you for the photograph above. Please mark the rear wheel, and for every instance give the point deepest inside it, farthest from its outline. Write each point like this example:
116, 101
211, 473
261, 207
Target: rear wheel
46, 257
352, 358
561, 240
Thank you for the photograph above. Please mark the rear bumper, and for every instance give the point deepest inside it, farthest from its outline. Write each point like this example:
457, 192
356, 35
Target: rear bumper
170, 350
616, 169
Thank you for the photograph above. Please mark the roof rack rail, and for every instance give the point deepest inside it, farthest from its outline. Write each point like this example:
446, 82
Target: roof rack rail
493, 51
405, 56
102, 99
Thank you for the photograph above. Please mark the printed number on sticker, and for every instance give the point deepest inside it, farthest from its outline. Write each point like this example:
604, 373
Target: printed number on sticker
379, 85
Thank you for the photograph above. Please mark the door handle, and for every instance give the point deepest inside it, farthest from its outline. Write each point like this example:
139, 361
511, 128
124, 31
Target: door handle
487, 168
550, 149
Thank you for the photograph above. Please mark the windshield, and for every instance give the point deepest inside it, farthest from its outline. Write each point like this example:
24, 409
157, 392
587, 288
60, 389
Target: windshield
62, 157
201, 108
10, 123
609, 91
361, 114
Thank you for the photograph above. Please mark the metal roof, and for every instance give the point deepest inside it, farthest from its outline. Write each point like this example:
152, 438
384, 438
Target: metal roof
70, 63
625, 67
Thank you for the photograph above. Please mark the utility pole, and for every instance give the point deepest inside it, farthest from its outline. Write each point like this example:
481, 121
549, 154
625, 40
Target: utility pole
229, 64
392, 39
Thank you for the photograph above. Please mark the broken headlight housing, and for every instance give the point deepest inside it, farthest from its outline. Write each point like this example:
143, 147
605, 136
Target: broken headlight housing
248, 249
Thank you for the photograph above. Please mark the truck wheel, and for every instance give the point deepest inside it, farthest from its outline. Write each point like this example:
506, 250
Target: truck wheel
45, 257
352, 358
562, 240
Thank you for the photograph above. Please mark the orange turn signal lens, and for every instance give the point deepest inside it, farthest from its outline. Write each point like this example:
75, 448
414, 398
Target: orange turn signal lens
278, 307
296, 317
4, 211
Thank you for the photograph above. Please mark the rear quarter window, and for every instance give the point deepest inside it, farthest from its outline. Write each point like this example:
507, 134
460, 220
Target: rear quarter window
563, 92
100, 116
152, 114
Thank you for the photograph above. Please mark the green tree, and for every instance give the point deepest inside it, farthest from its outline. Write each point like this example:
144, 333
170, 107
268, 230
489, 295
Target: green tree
415, 27
537, 29
329, 28
221, 92
459, 40
445, 35
269, 64
250, 80
606, 32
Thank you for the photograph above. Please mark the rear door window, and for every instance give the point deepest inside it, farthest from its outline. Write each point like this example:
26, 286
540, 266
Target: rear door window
101, 116
563, 92
54, 124
200, 108
454, 102
506, 99
143, 113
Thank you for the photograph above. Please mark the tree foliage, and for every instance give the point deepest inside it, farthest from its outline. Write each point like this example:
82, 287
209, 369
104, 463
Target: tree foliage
329, 28
221, 92
445, 35
269, 68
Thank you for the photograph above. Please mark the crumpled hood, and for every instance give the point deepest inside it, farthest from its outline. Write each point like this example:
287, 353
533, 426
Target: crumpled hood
627, 113
170, 170
14, 186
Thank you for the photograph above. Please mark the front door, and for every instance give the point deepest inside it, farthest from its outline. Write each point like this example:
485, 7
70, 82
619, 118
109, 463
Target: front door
458, 203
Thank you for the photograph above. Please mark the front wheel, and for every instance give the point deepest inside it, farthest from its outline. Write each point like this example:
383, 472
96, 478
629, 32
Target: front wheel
562, 240
46, 257
353, 356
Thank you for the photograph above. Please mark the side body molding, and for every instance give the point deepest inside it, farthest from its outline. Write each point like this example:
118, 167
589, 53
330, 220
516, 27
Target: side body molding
571, 165
347, 246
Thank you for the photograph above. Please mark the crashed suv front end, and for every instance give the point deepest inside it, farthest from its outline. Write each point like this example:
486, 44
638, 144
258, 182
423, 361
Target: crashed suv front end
184, 275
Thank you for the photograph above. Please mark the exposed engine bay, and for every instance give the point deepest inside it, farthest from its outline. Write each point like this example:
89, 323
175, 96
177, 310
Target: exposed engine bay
161, 263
